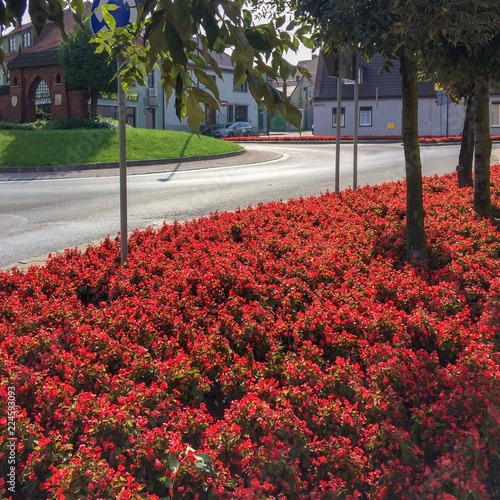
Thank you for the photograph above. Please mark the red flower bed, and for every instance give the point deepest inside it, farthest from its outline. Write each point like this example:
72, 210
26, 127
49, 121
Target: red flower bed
426, 139
281, 351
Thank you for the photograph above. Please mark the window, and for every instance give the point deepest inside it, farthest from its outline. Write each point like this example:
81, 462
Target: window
42, 93
27, 41
241, 113
12, 44
242, 87
365, 116
151, 80
58, 78
334, 117
230, 113
14, 82
495, 114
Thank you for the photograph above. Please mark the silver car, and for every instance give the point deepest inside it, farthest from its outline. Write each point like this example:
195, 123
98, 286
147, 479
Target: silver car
238, 129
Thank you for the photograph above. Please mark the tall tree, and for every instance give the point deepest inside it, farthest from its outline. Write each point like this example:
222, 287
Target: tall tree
394, 30
406, 30
463, 60
84, 69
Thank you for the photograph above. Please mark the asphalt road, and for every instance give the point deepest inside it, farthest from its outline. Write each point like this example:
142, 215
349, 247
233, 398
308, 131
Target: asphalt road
44, 213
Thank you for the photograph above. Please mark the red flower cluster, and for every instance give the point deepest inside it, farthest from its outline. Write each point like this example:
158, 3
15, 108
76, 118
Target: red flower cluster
281, 351
426, 139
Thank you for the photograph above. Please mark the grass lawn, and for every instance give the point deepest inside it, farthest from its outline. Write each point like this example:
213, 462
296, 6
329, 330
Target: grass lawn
284, 351
66, 147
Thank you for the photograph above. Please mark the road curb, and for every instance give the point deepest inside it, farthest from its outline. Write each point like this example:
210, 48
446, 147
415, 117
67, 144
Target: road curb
108, 165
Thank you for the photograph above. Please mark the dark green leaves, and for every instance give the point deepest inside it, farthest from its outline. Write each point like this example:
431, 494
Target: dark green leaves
175, 43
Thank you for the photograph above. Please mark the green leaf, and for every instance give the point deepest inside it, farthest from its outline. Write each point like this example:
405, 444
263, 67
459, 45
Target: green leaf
207, 81
166, 481
199, 61
179, 92
204, 97
175, 44
204, 463
173, 462
286, 69
259, 38
108, 17
211, 28
195, 117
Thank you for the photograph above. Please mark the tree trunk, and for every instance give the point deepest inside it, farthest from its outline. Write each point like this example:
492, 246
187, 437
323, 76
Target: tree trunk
466, 156
415, 231
482, 146
94, 95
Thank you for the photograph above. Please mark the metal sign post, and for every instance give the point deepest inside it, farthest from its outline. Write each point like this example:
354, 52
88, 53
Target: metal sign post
356, 124
344, 65
124, 15
122, 122
339, 124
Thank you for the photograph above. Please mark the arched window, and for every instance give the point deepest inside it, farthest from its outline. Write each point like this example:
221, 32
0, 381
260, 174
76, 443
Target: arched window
42, 99
42, 92
14, 82
58, 78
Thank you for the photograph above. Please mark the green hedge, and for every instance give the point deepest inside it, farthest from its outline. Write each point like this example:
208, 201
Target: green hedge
63, 124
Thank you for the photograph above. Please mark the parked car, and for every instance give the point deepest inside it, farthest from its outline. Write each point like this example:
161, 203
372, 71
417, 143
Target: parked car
238, 129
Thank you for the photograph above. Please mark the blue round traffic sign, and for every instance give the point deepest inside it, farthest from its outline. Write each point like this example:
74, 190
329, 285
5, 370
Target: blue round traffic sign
125, 14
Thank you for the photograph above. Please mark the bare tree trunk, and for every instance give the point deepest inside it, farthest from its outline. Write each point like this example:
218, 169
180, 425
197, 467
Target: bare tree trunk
415, 231
466, 156
94, 95
482, 146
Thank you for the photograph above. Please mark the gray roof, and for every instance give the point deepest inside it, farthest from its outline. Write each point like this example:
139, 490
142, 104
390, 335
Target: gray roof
34, 59
386, 85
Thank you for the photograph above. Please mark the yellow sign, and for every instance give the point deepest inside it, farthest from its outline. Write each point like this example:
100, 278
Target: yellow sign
391, 126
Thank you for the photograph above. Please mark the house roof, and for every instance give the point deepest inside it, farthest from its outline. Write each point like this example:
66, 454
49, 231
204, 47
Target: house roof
224, 61
49, 38
34, 59
374, 84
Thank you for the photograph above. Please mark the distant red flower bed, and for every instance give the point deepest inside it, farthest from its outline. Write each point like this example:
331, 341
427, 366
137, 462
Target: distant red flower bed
281, 351
306, 138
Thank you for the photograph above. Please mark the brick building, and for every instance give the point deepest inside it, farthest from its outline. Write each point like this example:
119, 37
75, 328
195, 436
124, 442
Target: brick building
36, 79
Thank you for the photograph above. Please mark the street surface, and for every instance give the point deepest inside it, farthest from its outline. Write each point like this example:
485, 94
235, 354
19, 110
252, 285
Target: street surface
41, 214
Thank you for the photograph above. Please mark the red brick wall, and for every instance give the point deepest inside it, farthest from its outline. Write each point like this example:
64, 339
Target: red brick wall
19, 105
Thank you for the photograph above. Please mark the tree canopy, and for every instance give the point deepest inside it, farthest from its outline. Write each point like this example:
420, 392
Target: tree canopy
83, 68
407, 30
183, 38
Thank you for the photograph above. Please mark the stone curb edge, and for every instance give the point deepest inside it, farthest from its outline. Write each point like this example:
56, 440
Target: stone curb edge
115, 164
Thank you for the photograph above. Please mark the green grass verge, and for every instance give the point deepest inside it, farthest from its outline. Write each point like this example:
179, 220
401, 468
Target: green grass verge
25, 148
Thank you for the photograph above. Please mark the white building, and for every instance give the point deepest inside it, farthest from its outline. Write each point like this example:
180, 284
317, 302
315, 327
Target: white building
380, 104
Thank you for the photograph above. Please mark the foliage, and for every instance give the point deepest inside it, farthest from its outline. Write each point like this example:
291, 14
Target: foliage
185, 40
84, 68
63, 124
281, 351
23, 126
98, 122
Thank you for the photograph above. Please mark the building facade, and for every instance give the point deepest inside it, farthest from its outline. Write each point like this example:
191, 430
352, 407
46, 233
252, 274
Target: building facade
380, 104
35, 85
